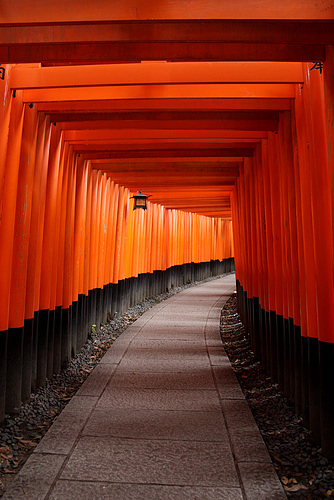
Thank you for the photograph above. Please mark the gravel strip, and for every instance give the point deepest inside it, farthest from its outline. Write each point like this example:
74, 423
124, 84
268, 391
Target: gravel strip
302, 469
20, 434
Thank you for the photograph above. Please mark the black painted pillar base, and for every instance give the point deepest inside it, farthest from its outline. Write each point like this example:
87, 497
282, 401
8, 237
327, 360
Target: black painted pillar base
34, 352
14, 369
3, 372
298, 370
289, 353
92, 307
305, 411
87, 324
99, 307
74, 328
113, 305
262, 336
280, 351
314, 388
272, 329
66, 337
27, 359
326, 355
57, 340
42, 347
285, 360
51, 332
80, 317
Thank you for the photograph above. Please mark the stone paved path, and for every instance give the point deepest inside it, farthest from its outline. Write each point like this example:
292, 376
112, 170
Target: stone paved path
161, 417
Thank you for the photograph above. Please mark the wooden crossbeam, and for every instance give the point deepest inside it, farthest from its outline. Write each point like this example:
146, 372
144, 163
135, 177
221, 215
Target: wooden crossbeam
157, 73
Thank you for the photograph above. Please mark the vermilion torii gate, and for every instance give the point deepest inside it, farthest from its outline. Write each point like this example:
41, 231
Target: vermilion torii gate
223, 114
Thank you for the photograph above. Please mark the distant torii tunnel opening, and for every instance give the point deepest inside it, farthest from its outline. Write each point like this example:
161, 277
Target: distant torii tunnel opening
224, 115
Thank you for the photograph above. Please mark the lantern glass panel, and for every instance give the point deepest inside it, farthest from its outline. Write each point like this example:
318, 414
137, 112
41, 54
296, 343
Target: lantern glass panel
141, 202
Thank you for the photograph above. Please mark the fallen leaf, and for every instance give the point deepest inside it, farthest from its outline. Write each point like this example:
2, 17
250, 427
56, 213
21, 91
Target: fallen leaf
26, 443
296, 487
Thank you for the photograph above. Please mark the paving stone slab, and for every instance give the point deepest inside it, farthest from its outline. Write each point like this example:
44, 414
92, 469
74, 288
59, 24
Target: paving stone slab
35, 478
195, 315
180, 333
261, 483
216, 354
61, 436
193, 380
154, 462
215, 341
156, 364
159, 399
227, 383
76, 490
162, 328
115, 353
173, 351
157, 424
247, 441
79, 405
169, 345
97, 380
175, 323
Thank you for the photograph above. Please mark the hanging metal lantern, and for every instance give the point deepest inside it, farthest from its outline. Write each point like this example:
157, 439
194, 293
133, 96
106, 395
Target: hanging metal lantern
140, 200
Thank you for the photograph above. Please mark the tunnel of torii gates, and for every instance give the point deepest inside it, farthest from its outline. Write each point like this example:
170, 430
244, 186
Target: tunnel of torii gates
222, 111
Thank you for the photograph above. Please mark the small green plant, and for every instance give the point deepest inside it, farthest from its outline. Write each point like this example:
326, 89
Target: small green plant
93, 330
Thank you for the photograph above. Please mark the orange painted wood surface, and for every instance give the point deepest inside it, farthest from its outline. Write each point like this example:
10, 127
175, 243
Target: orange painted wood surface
41, 11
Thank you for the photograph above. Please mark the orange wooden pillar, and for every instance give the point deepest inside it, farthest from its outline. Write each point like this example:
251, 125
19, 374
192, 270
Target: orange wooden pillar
18, 321
13, 373
326, 356
59, 261
262, 260
54, 346
314, 219
47, 284
308, 292
22, 213
108, 242
35, 251
267, 227
240, 242
292, 340
302, 278
122, 274
101, 219
66, 333
88, 253
5, 117
276, 214
322, 220
78, 335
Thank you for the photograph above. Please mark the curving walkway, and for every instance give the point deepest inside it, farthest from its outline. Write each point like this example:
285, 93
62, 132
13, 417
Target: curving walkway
161, 417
